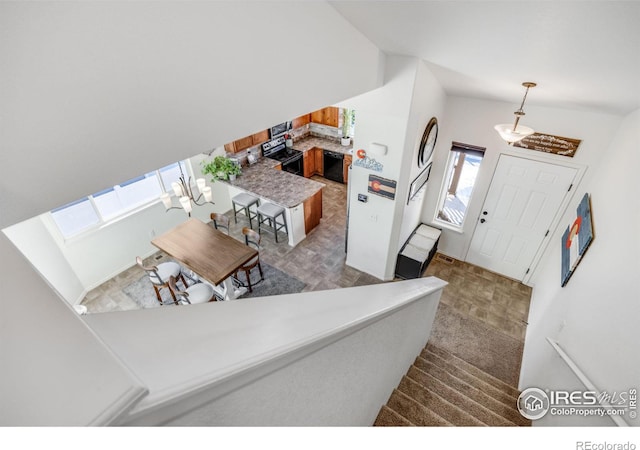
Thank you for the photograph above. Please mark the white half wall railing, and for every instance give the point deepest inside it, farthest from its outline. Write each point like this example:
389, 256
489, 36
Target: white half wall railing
322, 358
585, 380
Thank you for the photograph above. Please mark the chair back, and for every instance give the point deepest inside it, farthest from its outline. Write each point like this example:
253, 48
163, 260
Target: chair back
220, 221
251, 238
152, 271
180, 295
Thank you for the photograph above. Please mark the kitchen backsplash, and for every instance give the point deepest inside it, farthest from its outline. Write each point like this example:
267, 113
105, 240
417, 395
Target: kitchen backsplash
310, 129
317, 129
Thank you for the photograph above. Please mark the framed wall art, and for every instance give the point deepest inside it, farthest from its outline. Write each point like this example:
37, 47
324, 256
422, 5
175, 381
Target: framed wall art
576, 240
419, 182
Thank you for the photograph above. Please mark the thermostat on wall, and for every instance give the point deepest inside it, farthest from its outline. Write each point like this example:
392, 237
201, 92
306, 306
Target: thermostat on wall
363, 198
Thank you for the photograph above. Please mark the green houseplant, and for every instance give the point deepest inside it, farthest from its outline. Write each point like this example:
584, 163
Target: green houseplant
221, 168
347, 119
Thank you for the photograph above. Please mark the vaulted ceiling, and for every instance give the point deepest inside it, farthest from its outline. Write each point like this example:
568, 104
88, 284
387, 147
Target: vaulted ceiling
582, 54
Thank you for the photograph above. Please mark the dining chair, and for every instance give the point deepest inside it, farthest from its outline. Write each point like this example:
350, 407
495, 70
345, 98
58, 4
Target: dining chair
252, 239
220, 222
194, 294
159, 276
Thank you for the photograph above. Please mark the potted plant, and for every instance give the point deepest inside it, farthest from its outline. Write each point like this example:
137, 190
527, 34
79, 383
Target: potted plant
232, 169
221, 168
347, 119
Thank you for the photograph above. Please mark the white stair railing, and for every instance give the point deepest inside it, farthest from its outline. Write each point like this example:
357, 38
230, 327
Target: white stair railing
585, 380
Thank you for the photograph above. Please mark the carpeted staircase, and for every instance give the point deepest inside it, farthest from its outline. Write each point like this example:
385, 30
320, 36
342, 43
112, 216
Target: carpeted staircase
441, 389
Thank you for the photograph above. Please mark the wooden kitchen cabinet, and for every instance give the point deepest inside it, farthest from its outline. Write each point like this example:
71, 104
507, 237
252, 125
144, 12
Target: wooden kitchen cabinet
300, 121
249, 141
244, 143
326, 116
312, 211
345, 168
309, 163
319, 155
259, 138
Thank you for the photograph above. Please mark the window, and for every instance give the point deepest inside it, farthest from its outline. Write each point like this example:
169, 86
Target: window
75, 217
172, 173
114, 202
127, 196
462, 170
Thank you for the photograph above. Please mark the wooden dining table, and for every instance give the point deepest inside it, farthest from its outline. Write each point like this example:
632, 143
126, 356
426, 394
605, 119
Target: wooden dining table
208, 252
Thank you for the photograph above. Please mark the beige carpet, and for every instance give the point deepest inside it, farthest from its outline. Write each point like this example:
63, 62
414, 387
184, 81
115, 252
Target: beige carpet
477, 343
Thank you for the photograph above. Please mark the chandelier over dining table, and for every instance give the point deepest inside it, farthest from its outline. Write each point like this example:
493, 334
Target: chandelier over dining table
184, 191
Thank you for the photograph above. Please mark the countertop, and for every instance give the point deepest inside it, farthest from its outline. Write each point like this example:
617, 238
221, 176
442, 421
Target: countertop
279, 187
307, 143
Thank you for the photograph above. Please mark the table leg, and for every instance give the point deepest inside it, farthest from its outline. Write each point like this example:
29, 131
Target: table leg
231, 292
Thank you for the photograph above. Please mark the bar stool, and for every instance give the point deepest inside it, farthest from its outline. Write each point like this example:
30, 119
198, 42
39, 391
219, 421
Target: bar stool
269, 212
245, 201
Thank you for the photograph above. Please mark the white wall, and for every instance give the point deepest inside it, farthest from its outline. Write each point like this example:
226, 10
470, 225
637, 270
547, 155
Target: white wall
381, 117
33, 239
55, 372
394, 115
428, 101
595, 316
471, 121
94, 93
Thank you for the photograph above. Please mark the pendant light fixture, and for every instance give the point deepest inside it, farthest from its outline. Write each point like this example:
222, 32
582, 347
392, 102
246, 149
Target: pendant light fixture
514, 133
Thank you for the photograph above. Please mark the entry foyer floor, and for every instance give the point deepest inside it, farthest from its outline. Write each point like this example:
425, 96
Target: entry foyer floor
319, 261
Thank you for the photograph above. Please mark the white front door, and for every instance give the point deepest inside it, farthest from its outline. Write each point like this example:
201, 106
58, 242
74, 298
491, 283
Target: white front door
522, 201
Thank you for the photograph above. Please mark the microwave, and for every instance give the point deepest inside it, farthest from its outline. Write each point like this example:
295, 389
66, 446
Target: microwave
279, 129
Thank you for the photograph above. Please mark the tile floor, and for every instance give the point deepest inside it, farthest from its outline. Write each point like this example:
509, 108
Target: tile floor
319, 261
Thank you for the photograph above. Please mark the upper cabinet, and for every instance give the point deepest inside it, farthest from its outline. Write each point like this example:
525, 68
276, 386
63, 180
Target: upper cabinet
300, 121
326, 116
260, 137
246, 142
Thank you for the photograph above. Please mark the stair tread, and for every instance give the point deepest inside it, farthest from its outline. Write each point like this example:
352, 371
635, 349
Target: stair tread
508, 412
387, 417
470, 378
435, 402
470, 405
415, 412
472, 369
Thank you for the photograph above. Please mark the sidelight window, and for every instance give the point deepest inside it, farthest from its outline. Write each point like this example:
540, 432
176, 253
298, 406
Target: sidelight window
460, 178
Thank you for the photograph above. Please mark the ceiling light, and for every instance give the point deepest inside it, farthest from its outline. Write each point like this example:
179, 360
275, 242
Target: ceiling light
514, 133
183, 190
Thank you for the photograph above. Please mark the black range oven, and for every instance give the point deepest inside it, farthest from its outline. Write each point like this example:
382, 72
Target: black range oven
291, 159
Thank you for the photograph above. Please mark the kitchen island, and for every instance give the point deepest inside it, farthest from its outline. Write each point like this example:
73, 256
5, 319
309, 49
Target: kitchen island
301, 197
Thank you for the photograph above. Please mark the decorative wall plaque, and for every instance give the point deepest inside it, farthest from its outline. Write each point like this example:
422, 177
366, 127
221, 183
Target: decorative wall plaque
382, 187
549, 143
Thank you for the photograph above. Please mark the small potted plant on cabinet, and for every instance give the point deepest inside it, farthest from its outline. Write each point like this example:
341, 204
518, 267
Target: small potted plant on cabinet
347, 118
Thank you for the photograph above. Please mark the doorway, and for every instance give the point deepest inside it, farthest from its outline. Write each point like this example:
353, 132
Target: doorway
522, 201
